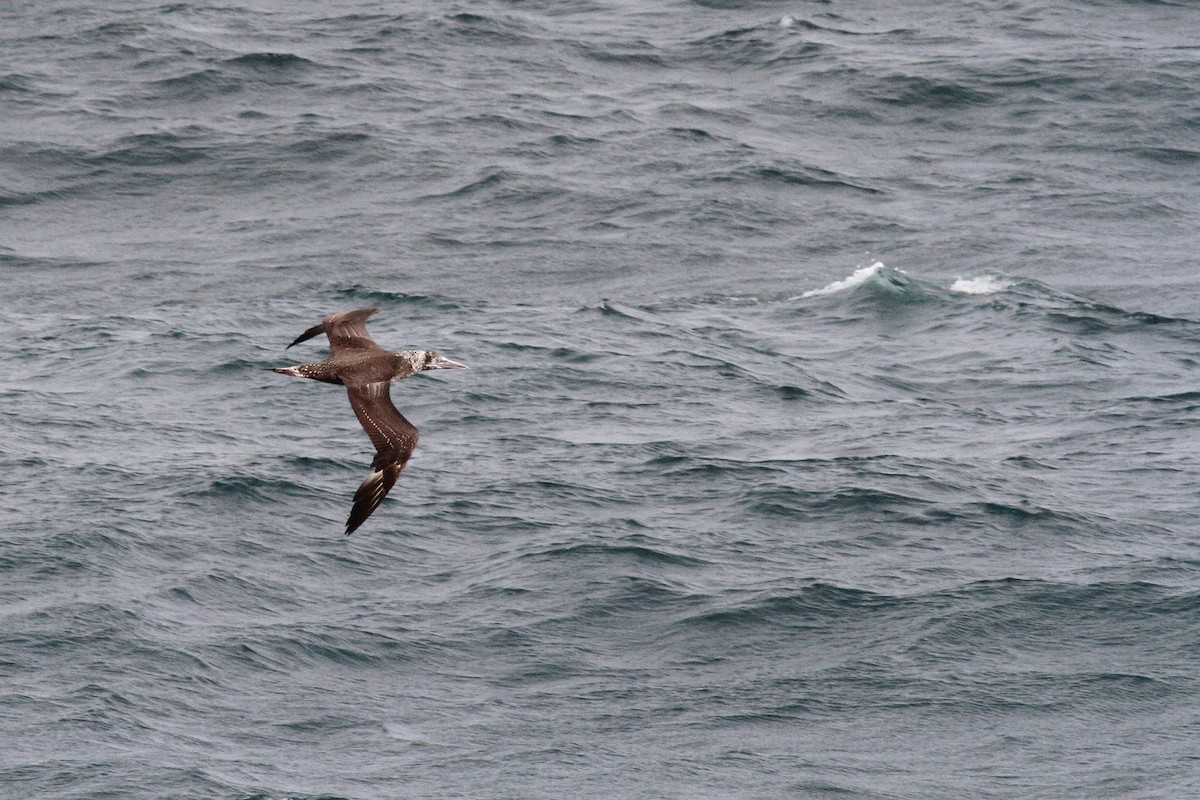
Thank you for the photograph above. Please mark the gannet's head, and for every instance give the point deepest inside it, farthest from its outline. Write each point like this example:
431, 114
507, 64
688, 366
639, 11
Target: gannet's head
421, 360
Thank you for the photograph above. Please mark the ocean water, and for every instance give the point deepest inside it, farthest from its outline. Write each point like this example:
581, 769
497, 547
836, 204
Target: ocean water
832, 428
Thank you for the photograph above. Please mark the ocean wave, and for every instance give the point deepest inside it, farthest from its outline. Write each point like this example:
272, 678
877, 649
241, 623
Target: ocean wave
857, 278
918, 91
984, 617
269, 62
614, 309
504, 31
1089, 319
17, 198
709, 469
615, 552
789, 21
162, 149
358, 293
760, 46
876, 279
1070, 312
1036, 519
792, 501
1022, 298
625, 52
195, 86
492, 179
1169, 155
281, 648
816, 604
1055, 613
809, 176
16, 82
242, 488
1189, 398
235, 365
982, 285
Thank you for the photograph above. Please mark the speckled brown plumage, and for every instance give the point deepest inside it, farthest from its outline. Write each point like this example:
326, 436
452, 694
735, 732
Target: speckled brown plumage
367, 370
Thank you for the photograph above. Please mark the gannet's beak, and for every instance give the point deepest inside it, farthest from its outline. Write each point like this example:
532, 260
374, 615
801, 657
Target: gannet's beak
441, 362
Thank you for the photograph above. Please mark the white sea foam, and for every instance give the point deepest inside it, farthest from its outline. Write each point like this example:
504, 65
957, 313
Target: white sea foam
858, 278
984, 284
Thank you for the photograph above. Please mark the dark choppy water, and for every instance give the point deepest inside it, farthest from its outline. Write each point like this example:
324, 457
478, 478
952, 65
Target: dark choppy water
832, 430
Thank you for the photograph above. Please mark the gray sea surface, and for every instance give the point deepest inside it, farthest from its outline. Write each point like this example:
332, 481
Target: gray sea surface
831, 432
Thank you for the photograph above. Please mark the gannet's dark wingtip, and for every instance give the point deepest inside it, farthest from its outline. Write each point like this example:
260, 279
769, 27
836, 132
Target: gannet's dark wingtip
371, 493
308, 334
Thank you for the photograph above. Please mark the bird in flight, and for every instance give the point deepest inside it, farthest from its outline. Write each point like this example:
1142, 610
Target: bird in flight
367, 371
